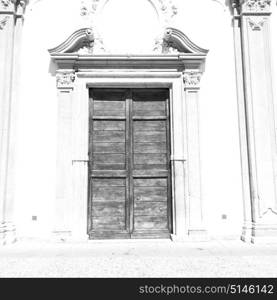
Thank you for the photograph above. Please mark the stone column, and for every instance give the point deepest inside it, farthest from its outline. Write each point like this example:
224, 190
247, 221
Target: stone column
11, 21
196, 229
63, 207
256, 114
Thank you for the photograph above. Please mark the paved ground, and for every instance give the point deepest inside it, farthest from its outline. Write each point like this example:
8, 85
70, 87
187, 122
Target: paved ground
138, 259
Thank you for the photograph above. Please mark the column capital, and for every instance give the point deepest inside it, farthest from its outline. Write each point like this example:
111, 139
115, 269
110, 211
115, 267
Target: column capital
65, 79
192, 79
13, 5
252, 7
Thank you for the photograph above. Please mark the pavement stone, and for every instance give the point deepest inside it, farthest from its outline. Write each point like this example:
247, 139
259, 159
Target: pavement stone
121, 259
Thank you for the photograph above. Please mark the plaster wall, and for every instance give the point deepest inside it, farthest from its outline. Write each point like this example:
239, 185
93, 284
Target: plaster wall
208, 24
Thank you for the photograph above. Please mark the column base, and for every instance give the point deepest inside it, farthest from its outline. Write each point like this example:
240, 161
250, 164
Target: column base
199, 235
246, 235
264, 233
260, 233
7, 233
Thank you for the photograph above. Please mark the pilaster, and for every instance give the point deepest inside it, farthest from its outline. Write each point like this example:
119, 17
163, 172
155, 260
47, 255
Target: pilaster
196, 228
256, 114
62, 210
11, 21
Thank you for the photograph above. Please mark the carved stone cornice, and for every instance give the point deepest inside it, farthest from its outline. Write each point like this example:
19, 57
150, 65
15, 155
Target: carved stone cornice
192, 79
252, 6
65, 80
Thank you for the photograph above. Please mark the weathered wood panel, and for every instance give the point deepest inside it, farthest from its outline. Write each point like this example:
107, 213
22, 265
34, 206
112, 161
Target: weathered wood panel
150, 148
150, 136
146, 158
147, 105
150, 223
108, 148
150, 173
104, 182
109, 223
102, 105
111, 136
149, 126
109, 158
108, 193
109, 125
149, 108
150, 193
157, 209
109, 113
129, 163
109, 166
150, 167
150, 182
108, 209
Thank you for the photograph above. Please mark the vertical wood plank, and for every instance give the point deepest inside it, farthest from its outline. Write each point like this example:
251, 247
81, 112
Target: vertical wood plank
131, 161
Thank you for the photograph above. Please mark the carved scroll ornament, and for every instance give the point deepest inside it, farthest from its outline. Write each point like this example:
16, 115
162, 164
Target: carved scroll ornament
192, 79
65, 80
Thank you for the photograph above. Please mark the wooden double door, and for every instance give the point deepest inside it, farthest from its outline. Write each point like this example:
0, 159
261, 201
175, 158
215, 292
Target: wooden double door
129, 167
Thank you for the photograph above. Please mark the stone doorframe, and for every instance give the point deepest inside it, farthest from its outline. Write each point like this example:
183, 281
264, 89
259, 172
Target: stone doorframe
79, 70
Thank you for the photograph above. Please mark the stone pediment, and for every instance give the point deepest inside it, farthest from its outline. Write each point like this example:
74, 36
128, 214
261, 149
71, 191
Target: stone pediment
85, 42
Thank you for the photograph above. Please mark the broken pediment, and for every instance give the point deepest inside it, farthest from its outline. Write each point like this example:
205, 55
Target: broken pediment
175, 41
81, 41
85, 42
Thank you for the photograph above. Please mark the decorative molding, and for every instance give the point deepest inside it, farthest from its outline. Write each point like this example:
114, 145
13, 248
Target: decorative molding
167, 9
251, 6
21, 6
89, 7
175, 41
258, 5
269, 212
65, 80
5, 4
192, 79
13, 6
256, 26
85, 42
4, 22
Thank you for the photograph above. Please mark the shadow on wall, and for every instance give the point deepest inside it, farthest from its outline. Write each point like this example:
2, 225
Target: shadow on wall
52, 69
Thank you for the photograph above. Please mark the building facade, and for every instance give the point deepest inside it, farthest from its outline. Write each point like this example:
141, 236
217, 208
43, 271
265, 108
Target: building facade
133, 119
